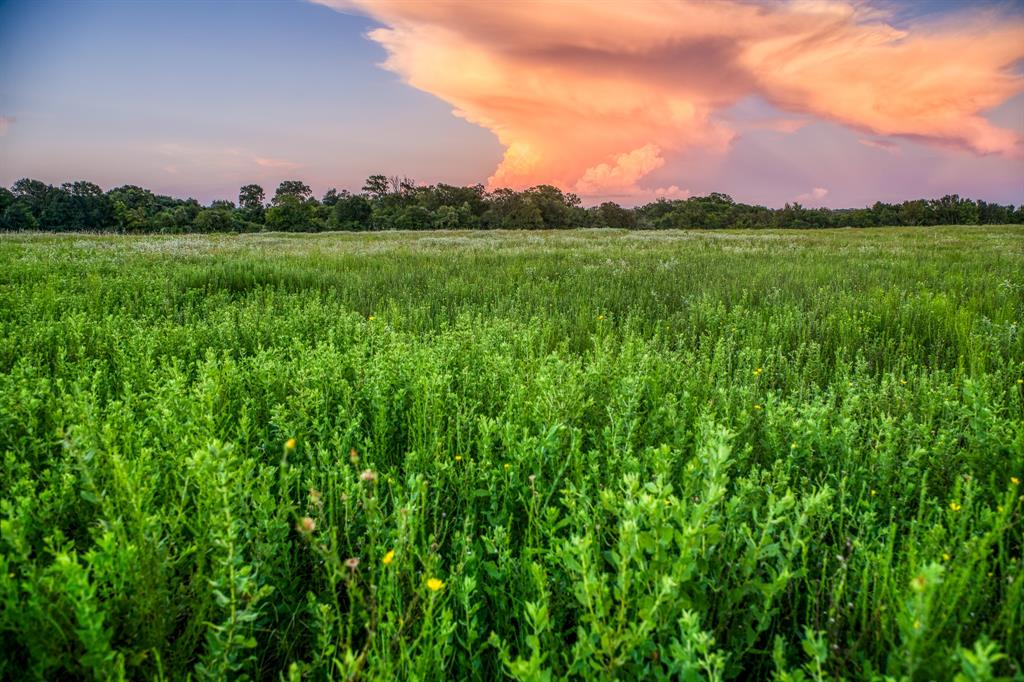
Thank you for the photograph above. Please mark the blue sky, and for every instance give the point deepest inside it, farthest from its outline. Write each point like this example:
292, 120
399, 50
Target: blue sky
198, 98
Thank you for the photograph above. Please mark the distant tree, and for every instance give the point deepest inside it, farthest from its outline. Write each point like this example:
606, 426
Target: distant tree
216, 219
613, 215
291, 214
376, 186
18, 217
350, 212
251, 200
33, 192
511, 210
330, 197
292, 188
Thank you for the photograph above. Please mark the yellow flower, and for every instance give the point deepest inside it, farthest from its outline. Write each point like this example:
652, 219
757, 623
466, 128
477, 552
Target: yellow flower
371, 318
600, 317
505, 466
954, 506
1014, 480
945, 556
758, 371
757, 407
873, 492
793, 446
458, 458
903, 381
289, 444
434, 584
389, 557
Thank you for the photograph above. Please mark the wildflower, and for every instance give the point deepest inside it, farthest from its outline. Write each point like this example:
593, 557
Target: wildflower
532, 477
757, 407
954, 506
352, 563
289, 444
1014, 480
600, 317
757, 372
314, 496
945, 556
873, 492
458, 458
434, 584
389, 557
793, 446
306, 525
505, 466
368, 476
371, 318
353, 456
903, 382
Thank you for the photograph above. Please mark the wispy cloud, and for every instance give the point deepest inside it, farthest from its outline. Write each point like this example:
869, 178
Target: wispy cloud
883, 145
280, 164
815, 196
224, 158
592, 95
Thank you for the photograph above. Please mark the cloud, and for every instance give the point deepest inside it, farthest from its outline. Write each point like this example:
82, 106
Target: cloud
276, 163
620, 177
5, 123
779, 125
884, 145
595, 96
813, 197
222, 158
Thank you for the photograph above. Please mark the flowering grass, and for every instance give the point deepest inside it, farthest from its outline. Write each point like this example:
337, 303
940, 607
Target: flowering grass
585, 455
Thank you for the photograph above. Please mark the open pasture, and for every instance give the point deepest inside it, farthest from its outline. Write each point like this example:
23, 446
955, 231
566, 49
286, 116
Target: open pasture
589, 454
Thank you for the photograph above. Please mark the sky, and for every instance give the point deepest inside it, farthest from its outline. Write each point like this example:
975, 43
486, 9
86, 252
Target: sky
835, 103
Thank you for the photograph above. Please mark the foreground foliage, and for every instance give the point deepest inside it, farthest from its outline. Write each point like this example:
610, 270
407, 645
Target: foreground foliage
589, 455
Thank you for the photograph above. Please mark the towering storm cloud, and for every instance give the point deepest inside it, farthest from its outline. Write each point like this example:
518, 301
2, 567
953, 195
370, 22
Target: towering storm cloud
593, 96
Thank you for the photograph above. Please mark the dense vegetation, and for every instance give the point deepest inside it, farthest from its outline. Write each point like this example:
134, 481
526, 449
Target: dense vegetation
399, 204
600, 455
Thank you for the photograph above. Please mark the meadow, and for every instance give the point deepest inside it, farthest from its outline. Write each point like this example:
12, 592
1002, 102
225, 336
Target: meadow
585, 454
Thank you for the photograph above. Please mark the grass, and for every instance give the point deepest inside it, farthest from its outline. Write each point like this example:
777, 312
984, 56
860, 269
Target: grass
585, 454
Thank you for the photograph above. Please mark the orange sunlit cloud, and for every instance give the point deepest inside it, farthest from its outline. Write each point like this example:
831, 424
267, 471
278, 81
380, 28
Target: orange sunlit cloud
593, 96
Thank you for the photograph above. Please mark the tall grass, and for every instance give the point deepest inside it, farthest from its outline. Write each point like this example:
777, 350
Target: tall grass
588, 455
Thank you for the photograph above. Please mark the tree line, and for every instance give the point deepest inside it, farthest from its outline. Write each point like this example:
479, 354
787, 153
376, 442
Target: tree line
395, 203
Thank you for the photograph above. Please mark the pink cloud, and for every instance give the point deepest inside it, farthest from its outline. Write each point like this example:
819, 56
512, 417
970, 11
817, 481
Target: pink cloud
281, 164
5, 124
594, 96
222, 158
814, 196
621, 176
884, 145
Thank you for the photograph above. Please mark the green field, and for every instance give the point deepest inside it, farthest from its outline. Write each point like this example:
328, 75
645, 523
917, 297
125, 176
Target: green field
583, 454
